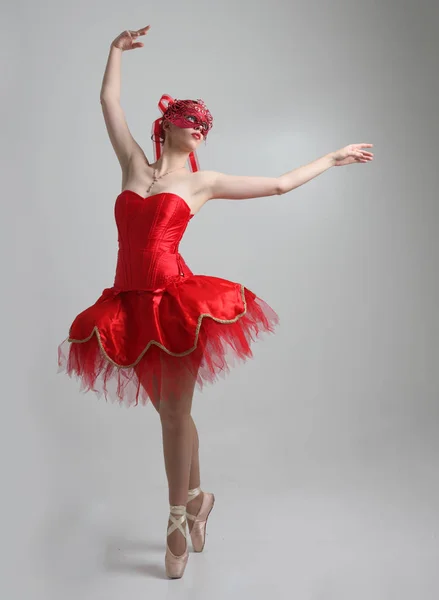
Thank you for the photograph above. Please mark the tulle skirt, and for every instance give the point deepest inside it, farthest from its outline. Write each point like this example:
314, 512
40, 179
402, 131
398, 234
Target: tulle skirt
132, 346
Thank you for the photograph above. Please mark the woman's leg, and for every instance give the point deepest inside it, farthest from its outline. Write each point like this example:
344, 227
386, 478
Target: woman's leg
153, 390
193, 506
178, 440
194, 476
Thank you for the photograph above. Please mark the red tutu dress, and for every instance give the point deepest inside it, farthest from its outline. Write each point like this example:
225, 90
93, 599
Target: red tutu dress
159, 319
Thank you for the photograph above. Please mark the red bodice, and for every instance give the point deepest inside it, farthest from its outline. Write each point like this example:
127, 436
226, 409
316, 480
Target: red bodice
149, 234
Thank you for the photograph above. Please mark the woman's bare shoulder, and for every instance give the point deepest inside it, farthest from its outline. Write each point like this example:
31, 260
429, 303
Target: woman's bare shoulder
202, 183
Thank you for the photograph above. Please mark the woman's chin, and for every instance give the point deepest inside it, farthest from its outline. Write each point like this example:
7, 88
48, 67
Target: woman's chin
192, 147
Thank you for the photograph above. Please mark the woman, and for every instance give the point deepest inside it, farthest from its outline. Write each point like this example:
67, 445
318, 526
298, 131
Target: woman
160, 329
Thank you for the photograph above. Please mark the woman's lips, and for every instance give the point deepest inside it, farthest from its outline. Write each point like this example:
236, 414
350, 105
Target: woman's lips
196, 135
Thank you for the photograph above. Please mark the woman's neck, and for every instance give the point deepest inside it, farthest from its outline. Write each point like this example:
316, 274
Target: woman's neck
170, 160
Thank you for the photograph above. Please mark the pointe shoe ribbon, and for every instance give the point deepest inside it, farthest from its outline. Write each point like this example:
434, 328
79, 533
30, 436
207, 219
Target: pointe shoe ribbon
175, 565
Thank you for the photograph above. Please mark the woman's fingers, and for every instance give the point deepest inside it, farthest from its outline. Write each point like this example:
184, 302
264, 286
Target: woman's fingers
140, 31
365, 153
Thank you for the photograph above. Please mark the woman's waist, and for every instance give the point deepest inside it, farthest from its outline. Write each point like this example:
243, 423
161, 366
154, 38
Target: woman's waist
147, 270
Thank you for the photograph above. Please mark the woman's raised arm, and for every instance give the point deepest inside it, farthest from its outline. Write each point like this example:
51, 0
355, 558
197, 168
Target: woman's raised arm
120, 136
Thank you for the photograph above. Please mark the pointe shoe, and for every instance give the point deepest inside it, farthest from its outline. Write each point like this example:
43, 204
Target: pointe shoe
175, 565
198, 531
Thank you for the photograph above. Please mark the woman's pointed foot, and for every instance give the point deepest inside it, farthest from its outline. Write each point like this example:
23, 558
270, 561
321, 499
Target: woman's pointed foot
198, 509
175, 564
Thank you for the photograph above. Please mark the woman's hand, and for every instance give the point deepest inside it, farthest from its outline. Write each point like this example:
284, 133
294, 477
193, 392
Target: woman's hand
353, 153
127, 39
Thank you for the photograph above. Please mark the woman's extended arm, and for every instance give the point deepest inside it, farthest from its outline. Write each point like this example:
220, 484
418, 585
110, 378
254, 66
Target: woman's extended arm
348, 155
237, 187
120, 136
300, 175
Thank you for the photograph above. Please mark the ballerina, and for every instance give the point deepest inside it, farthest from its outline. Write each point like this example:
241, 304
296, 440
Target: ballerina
160, 329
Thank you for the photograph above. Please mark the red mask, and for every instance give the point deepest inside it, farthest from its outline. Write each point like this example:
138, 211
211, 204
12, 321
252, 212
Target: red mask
188, 113
184, 114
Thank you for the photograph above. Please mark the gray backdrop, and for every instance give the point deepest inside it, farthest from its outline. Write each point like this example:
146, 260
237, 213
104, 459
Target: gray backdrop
323, 450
